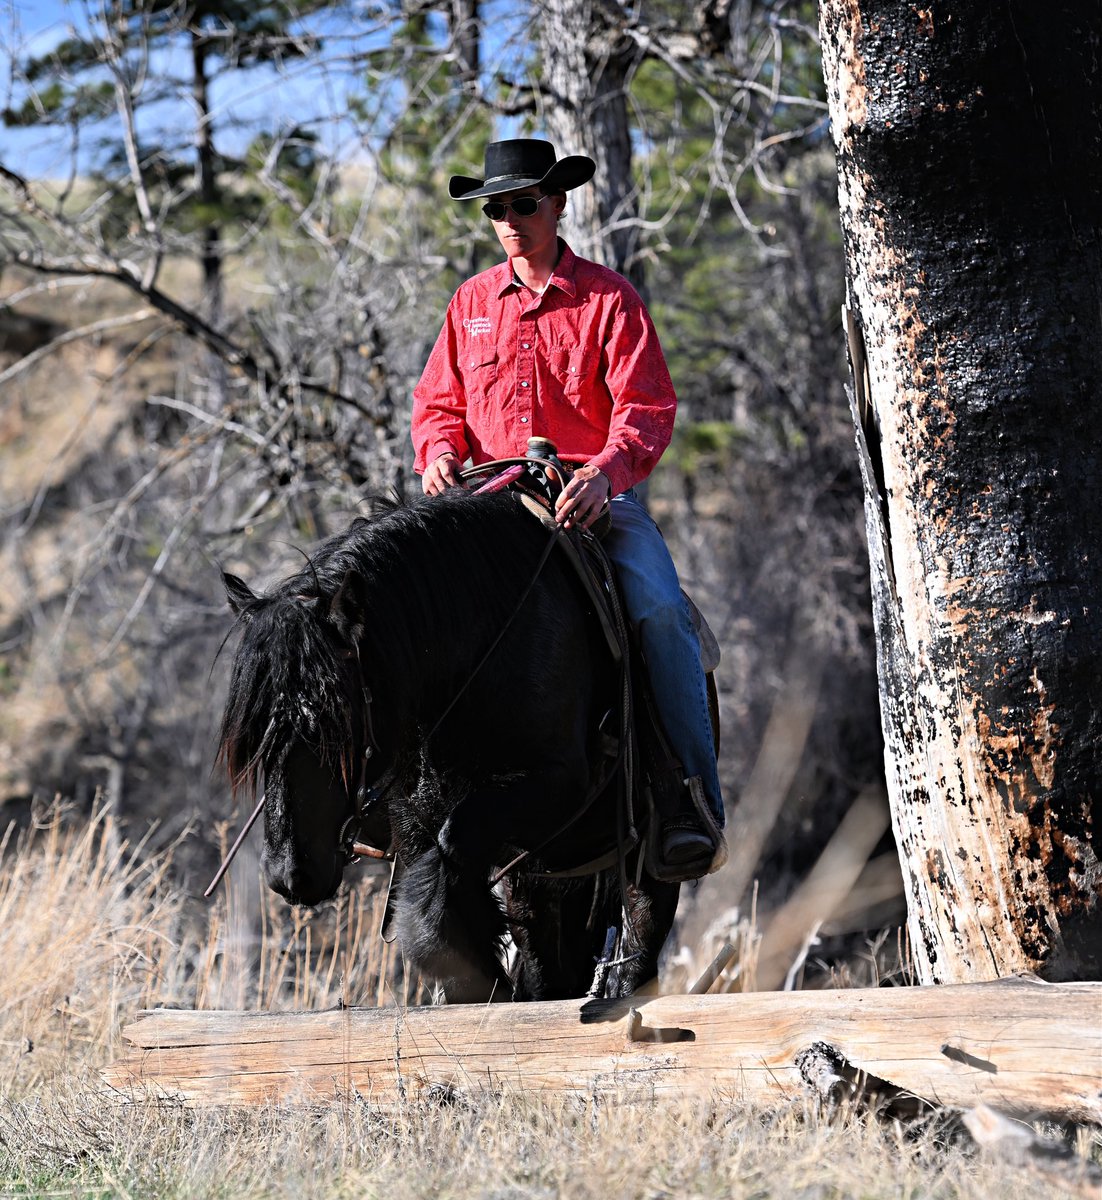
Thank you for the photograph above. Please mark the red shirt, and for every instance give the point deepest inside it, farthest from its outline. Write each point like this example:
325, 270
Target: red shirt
579, 364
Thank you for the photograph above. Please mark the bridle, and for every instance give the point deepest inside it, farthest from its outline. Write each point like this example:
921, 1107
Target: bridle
364, 797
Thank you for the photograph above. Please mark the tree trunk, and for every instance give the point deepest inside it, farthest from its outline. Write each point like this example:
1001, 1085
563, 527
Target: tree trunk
585, 73
467, 35
210, 257
970, 173
210, 236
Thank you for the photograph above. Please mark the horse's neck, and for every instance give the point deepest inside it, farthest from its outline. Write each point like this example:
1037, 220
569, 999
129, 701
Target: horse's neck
410, 674
433, 617
417, 676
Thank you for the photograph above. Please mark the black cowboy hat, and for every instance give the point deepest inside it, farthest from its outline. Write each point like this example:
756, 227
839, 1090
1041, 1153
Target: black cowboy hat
520, 163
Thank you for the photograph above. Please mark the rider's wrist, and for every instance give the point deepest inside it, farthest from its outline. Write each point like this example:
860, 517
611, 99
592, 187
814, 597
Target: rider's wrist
594, 475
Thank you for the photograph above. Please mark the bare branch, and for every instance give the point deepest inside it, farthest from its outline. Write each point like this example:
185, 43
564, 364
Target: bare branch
74, 335
128, 275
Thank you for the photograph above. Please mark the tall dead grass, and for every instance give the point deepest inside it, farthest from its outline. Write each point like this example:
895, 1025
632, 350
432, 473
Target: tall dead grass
85, 923
91, 930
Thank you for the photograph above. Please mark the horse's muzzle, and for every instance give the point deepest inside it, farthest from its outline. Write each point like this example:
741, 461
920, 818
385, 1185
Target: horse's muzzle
303, 883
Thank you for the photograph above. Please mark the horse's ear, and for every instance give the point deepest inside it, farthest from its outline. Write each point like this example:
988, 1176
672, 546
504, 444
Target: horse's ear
346, 609
238, 593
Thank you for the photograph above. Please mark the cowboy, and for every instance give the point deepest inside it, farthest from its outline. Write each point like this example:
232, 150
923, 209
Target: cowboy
550, 344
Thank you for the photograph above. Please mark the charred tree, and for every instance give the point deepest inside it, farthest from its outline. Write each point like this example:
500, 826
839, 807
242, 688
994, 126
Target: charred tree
969, 145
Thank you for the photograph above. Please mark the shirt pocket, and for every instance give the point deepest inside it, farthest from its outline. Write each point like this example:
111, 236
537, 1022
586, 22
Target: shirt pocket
571, 367
478, 370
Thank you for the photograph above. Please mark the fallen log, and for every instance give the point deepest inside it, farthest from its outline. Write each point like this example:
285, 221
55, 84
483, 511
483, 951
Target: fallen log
1018, 1045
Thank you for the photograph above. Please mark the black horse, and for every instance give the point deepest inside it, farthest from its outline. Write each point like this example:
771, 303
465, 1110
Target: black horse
435, 679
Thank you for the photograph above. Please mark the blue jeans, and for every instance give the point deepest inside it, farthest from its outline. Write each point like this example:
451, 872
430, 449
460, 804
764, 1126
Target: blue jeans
660, 619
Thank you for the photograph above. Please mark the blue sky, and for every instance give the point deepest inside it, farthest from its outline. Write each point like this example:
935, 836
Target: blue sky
41, 21
27, 27
243, 103
33, 27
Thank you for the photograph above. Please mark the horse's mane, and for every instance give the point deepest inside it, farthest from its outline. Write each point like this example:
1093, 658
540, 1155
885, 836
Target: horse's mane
431, 576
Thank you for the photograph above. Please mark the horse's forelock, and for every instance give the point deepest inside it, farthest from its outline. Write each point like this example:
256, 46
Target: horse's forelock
287, 682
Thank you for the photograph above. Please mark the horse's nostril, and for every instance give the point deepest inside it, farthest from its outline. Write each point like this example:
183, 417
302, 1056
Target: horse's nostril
305, 887
282, 888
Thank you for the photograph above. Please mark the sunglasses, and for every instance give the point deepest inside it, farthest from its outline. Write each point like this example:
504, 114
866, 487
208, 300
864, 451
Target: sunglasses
523, 206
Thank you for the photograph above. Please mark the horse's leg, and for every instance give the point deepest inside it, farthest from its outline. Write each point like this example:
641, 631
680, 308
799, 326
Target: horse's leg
650, 910
449, 922
559, 934
451, 928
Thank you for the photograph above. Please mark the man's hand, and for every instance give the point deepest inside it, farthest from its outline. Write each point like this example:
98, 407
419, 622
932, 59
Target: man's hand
581, 501
441, 473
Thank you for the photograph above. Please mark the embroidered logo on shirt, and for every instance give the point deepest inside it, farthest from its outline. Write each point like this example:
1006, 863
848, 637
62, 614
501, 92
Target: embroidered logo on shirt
476, 325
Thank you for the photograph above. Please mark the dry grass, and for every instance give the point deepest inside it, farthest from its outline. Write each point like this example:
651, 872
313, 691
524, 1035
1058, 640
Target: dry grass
90, 930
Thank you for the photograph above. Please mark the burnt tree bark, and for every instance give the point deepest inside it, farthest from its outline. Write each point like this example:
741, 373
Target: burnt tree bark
970, 179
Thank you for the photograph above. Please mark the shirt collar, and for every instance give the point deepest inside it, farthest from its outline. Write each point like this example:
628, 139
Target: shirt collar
503, 278
562, 276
